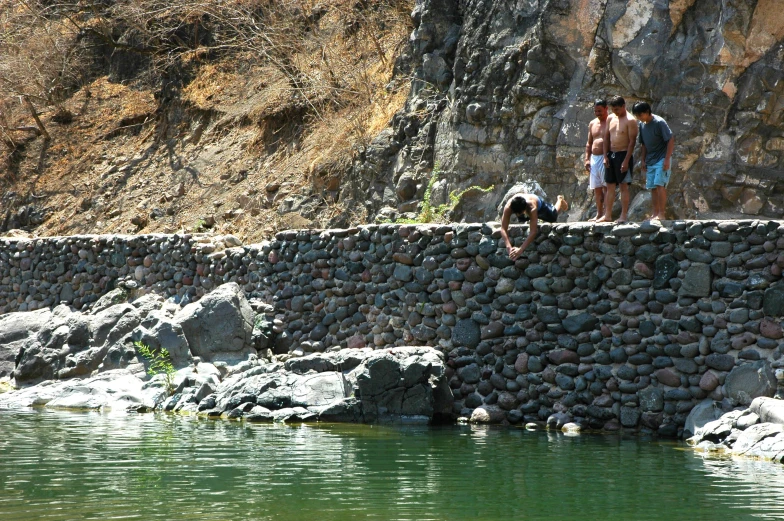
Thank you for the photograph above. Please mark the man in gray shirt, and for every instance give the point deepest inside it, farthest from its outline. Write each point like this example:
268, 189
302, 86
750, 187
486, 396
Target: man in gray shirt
657, 143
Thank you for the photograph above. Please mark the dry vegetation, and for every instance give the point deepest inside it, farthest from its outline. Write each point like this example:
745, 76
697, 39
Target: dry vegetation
245, 112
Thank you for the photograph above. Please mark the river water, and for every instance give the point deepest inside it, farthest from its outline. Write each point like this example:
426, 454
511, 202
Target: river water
74, 466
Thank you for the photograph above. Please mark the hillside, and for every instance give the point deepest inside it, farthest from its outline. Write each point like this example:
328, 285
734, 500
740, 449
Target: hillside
240, 117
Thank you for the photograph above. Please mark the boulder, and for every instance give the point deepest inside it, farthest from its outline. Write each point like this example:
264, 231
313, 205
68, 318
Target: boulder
704, 412
748, 381
769, 410
110, 390
361, 385
754, 435
159, 330
18, 330
220, 325
319, 389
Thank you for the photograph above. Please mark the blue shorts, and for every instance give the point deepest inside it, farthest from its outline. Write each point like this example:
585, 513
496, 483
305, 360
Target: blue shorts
657, 175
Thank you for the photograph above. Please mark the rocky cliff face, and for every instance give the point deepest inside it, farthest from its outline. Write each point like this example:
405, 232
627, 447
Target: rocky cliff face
505, 88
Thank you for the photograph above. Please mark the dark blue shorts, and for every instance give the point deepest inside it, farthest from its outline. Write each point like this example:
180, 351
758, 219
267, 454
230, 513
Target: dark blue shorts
613, 173
548, 212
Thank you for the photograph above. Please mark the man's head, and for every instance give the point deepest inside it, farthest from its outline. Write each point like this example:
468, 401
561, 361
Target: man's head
600, 109
642, 111
618, 106
518, 205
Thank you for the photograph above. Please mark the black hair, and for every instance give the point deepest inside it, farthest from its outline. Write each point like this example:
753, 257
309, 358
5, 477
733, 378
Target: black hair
600, 102
617, 101
518, 205
641, 107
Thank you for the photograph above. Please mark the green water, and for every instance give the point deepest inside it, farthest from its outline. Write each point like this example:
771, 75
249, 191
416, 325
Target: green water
69, 466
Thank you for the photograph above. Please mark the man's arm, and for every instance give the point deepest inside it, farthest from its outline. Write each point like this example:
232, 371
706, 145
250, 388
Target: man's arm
589, 147
606, 141
668, 154
532, 230
505, 218
632, 142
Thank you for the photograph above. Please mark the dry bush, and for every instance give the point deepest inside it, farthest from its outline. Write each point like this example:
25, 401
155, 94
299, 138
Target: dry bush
41, 57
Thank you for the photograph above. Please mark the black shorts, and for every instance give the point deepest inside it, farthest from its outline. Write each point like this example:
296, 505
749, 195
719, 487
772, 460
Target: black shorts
613, 174
548, 212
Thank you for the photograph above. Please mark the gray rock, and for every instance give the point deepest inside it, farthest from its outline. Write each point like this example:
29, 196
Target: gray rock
18, 330
666, 266
469, 374
769, 410
582, 322
466, 333
754, 435
116, 390
697, 282
158, 330
748, 381
319, 389
630, 416
720, 362
704, 412
403, 273
746, 420
773, 301
221, 323
651, 399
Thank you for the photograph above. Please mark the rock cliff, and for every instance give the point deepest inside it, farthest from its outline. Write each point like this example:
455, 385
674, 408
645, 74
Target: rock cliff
504, 92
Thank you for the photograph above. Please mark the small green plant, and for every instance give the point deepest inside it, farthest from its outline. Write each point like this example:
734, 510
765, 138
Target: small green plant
160, 363
121, 296
437, 214
200, 226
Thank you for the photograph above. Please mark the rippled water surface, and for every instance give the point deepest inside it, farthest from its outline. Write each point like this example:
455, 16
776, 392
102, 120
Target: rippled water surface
68, 466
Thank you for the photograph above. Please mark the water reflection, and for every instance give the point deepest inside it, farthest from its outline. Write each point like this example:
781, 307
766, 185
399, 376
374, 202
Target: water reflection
757, 484
62, 466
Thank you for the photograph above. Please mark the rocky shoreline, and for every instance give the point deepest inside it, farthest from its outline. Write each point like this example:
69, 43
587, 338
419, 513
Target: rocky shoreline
69, 360
753, 432
636, 327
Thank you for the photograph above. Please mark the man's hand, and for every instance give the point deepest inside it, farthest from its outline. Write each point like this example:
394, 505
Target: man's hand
643, 166
515, 252
625, 165
666, 163
587, 165
606, 161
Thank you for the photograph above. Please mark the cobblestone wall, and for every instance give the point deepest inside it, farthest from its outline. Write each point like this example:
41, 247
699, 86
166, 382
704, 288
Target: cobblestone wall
629, 325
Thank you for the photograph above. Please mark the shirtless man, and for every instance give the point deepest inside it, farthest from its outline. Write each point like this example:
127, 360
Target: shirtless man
620, 137
594, 155
534, 208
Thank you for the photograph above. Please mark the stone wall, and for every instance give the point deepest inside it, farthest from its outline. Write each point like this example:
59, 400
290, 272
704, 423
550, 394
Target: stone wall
628, 325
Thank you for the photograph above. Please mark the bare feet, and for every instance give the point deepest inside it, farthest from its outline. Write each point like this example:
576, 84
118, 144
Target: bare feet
604, 219
560, 204
623, 219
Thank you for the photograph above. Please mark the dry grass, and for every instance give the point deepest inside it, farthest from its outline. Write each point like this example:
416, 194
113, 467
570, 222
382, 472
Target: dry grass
259, 133
211, 86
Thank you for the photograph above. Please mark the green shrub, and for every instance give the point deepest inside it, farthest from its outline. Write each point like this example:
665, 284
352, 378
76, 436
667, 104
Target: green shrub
431, 213
160, 363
